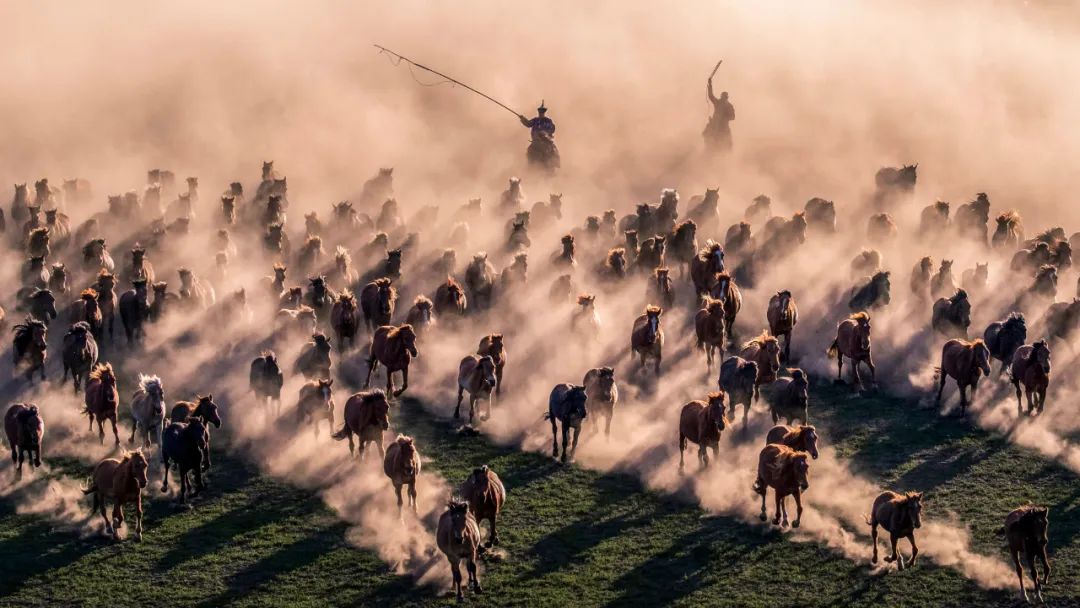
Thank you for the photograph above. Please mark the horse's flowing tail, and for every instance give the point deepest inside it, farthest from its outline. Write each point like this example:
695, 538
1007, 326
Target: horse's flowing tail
91, 488
834, 349
937, 376
546, 416
759, 485
342, 434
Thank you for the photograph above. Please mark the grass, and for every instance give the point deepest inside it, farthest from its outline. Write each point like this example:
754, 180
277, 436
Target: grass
571, 536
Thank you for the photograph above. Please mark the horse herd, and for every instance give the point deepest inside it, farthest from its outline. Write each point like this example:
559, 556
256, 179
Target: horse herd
326, 305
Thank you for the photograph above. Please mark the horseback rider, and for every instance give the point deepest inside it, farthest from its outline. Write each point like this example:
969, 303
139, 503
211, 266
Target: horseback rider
542, 150
718, 132
541, 126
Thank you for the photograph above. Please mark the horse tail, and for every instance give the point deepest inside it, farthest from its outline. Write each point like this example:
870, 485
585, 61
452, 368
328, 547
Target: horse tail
834, 349
759, 485
91, 488
546, 416
937, 376
342, 434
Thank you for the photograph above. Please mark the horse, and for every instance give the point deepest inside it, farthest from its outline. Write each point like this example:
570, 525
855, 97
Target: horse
566, 405
1009, 232
660, 288
195, 291
972, 218
395, 348
401, 463
265, 379
705, 209
450, 299
802, 438
614, 267
1031, 367
1004, 337
1030, 260
585, 319
480, 281
871, 295
702, 423
377, 301
682, 245
739, 239
135, 311
310, 254
476, 374
20, 203
727, 291
765, 351
900, 515
366, 415
102, 400
853, 341
87, 310
566, 257
58, 279
35, 272
705, 265
30, 347
866, 263
485, 493
602, 393
421, 315
943, 283
493, 345
789, 397
783, 315
316, 402
820, 215
59, 225
630, 246
892, 184
319, 297
759, 210
343, 320
25, 429
738, 379
140, 268
647, 339
516, 274
314, 359
786, 471
1025, 530
40, 303
292, 298
80, 353
711, 329
458, 537
952, 316
921, 277
881, 228
974, 280
185, 444
122, 481
148, 410
37, 243
105, 287
963, 361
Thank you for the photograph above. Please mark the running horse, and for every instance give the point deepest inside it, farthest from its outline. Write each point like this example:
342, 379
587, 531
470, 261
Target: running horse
395, 348
647, 339
965, 362
787, 472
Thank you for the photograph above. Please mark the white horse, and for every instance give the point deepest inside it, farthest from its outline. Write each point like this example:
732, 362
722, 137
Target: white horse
148, 410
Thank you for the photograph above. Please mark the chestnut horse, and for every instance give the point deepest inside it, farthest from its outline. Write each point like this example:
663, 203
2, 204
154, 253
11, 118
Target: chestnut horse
786, 471
122, 481
377, 301
450, 299
1025, 530
458, 537
25, 430
802, 438
484, 492
316, 403
1031, 366
401, 463
711, 329
366, 415
702, 423
492, 345
646, 338
30, 347
783, 314
395, 348
853, 341
963, 361
705, 265
765, 351
900, 515
102, 400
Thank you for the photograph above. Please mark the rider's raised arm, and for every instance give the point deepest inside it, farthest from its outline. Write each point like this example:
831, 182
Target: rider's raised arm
525, 121
709, 92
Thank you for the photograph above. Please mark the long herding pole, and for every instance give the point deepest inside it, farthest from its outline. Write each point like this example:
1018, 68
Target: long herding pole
453, 80
716, 68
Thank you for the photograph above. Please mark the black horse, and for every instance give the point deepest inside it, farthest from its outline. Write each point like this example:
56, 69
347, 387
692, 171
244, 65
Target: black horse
185, 445
566, 405
1004, 337
135, 311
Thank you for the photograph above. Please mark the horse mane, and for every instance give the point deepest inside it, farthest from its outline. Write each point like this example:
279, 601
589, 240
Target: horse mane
761, 340
653, 310
615, 252
422, 301
585, 298
403, 440
683, 227
374, 394
89, 292
382, 282
1010, 216
345, 296
709, 248
147, 382
452, 282
341, 253
958, 296
661, 271
101, 371
1044, 270
713, 306
82, 327
783, 457
1025, 513
799, 432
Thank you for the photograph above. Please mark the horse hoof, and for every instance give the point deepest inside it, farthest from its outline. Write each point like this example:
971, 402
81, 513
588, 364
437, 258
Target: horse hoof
784, 524
889, 559
164, 489
762, 517
873, 560
477, 589
138, 536
795, 524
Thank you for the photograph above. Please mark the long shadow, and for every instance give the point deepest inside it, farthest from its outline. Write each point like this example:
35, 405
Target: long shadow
36, 550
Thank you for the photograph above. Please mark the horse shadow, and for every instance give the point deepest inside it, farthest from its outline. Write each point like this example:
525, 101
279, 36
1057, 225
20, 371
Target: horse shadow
37, 539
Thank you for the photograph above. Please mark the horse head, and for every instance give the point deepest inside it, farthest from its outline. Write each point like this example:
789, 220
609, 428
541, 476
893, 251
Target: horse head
800, 467
982, 356
1040, 352
32, 428
45, 302
139, 465
380, 407
386, 295
480, 479
486, 367
913, 505
209, 410
652, 322
575, 400
715, 410
196, 429
408, 339
459, 520
407, 454
784, 301
862, 330
809, 437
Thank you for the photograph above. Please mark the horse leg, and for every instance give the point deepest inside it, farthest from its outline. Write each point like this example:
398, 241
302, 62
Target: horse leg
134, 427
372, 364
460, 396
1030, 406
555, 439
1041, 393
472, 408
99, 503
498, 379
914, 549
348, 433
455, 570
703, 456
101, 429
682, 448
473, 579
165, 477
1019, 400
138, 516
941, 387
873, 538
1045, 563
798, 509
963, 398
117, 516
404, 381
764, 492
1019, 574
397, 491
183, 484
607, 424
412, 496
779, 509
199, 485
493, 539
873, 370
1034, 575
573, 448
855, 374
656, 366
839, 367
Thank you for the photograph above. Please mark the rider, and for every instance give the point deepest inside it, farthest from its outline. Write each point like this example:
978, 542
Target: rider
541, 126
718, 131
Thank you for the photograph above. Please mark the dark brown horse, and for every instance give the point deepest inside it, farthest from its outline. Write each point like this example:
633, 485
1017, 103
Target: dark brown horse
450, 299
1004, 337
401, 463
646, 337
873, 294
105, 286
711, 329
122, 481
900, 515
102, 400
727, 291
316, 403
603, 394
484, 492
421, 315
660, 288
1031, 367
80, 354
377, 300
344, 321
965, 362
952, 316
25, 430
314, 359
395, 348
366, 415
87, 309
738, 378
702, 422
783, 314
765, 351
1009, 232
789, 397
705, 265
492, 345
853, 341
566, 405
802, 438
1025, 531
265, 379
186, 445
30, 347
458, 537
786, 471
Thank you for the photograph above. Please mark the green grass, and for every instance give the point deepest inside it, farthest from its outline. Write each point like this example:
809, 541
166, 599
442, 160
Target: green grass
571, 536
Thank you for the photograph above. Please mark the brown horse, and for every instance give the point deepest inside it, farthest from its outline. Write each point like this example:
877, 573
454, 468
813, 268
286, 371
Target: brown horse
421, 315
366, 415
765, 351
660, 289
88, 310
476, 374
450, 299
647, 339
786, 471
738, 378
702, 422
1031, 366
30, 347
485, 493
265, 379
492, 345
401, 463
853, 341
458, 537
314, 358
316, 403
921, 276
900, 515
1009, 232
727, 291
395, 348
602, 393
80, 354
1025, 530
963, 361
952, 316
377, 301
789, 397
802, 438
783, 314
25, 430
344, 321
711, 329
105, 286
122, 481
102, 400
705, 265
